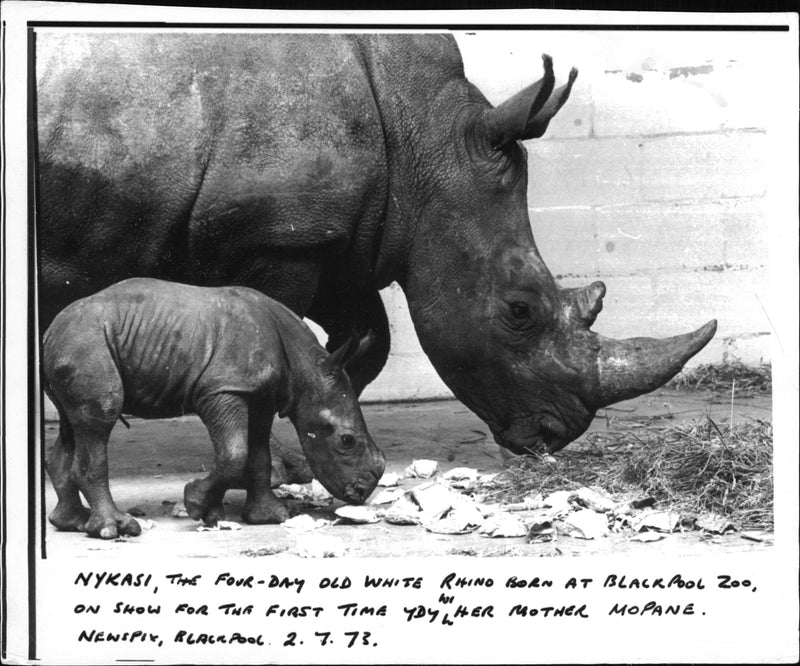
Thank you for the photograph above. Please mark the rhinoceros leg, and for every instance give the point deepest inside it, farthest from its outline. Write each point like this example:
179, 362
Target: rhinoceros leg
89, 396
343, 315
262, 506
90, 467
69, 514
226, 416
289, 464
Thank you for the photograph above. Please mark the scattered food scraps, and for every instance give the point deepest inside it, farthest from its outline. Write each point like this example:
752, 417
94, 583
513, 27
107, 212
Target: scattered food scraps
458, 520
137, 511
528, 503
503, 525
594, 500
179, 511
643, 503
389, 479
220, 526
647, 537
461, 474
388, 495
320, 494
304, 523
422, 469
313, 493
559, 500
359, 515
541, 532
623, 509
583, 524
660, 521
403, 512
147, 524
489, 509
715, 524
433, 499
622, 523
291, 490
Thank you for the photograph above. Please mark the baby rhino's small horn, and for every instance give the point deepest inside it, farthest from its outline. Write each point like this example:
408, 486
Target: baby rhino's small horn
352, 349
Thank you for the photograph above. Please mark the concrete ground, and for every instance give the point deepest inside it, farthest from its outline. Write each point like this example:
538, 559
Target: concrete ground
151, 463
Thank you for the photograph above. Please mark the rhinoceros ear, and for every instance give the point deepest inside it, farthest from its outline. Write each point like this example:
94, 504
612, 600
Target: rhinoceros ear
527, 114
351, 350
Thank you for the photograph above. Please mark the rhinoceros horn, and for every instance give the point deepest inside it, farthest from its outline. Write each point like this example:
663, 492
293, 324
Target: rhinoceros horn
527, 114
623, 369
627, 368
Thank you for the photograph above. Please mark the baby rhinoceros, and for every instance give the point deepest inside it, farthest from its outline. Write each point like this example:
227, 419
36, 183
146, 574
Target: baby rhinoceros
233, 356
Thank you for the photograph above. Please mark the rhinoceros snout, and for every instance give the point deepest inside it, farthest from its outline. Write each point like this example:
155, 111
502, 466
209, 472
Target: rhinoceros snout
358, 491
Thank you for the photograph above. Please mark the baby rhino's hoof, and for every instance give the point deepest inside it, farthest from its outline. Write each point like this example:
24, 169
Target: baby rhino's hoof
72, 519
201, 504
113, 525
267, 514
213, 515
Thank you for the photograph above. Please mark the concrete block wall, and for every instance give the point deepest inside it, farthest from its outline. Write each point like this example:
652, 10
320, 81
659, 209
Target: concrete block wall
654, 178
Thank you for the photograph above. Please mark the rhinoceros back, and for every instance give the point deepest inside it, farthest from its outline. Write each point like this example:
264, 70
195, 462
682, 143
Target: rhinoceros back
172, 343
200, 160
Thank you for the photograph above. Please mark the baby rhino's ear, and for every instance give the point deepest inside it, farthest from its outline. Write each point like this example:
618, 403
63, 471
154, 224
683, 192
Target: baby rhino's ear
351, 350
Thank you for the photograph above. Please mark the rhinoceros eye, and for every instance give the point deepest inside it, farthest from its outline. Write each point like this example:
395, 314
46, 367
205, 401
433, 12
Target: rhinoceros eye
520, 310
522, 313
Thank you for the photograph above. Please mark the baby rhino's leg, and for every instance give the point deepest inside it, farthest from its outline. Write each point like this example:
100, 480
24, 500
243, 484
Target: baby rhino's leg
69, 514
90, 400
225, 417
262, 506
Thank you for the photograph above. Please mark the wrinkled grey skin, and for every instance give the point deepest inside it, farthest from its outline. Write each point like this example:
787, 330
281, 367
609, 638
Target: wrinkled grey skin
230, 354
318, 169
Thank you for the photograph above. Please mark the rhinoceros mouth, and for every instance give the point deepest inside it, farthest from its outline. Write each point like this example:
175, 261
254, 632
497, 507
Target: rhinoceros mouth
542, 441
358, 491
539, 434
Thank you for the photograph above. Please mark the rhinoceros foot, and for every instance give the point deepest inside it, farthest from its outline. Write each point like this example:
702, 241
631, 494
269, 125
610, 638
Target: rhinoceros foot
265, 511
69, 518
203, 501
110, 524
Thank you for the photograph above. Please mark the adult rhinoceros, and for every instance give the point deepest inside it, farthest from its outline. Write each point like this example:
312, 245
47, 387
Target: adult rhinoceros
318, 169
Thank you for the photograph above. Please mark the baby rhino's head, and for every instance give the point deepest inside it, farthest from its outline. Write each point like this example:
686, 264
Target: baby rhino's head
332, 431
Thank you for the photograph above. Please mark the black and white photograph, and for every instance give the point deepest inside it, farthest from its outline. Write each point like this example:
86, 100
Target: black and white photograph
368, 337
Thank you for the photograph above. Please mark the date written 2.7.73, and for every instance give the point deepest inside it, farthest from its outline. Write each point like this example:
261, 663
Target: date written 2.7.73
351, 638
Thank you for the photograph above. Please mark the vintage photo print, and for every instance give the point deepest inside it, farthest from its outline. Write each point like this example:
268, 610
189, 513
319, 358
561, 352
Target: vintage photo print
423, 337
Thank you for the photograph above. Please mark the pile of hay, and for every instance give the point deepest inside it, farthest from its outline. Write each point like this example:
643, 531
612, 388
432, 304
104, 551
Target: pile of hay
695, 469
701, 468
745, 381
